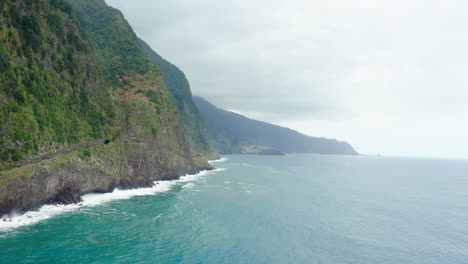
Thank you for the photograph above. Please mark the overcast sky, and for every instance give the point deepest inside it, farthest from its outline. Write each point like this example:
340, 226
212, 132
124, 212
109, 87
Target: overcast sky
389, 77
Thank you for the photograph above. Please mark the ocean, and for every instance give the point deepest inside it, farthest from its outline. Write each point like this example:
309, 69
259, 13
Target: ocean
263, 209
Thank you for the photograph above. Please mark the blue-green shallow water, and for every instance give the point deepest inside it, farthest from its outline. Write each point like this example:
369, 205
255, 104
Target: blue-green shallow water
271, 209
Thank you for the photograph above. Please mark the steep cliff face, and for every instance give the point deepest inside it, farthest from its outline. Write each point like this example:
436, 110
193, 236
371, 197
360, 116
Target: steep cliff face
51, 93
179, 88
83, 108
63, 179
146, 111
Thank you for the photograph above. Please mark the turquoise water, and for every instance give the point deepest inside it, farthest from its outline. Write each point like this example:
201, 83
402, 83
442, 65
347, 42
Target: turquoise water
266, 209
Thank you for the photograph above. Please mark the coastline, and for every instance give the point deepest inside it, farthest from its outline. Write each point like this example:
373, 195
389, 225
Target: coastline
46, 211
63, 179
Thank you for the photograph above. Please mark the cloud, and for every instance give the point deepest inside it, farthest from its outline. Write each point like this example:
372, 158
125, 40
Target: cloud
369, 72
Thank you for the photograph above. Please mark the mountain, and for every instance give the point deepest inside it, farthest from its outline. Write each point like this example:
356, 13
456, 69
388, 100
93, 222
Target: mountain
82, 107
234, 133
179, 88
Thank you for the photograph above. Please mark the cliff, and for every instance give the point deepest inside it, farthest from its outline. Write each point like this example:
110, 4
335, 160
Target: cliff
232, 133
82, 108
51, 93
179, 88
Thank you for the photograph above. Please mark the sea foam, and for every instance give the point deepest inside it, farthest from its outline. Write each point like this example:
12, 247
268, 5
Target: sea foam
222, 159
45, 212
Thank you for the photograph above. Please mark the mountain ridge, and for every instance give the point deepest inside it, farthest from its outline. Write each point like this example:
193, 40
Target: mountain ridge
231, 131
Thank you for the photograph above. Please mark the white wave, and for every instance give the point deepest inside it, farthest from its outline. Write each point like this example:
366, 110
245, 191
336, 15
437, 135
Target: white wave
32, 217
89, 200
11, 222
188, 186
93, 199
245, 190
249, 184
156, 217
191, 177
223, 159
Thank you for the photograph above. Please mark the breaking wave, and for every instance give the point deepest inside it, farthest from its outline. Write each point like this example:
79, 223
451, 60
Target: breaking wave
45, 212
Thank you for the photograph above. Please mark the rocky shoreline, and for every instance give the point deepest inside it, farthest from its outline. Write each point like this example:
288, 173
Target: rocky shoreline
64, 179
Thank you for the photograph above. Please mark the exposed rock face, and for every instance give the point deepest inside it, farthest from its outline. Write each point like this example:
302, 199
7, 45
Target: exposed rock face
65, 178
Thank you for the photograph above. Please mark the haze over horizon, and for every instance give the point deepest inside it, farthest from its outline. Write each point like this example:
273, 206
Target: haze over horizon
388, 77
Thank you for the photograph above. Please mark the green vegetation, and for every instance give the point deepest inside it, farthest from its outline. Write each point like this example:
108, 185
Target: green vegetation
179, 88
116, 46
86, 153
74, 72
127, 68
48, 93
77, 94
114, 152
152, 96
